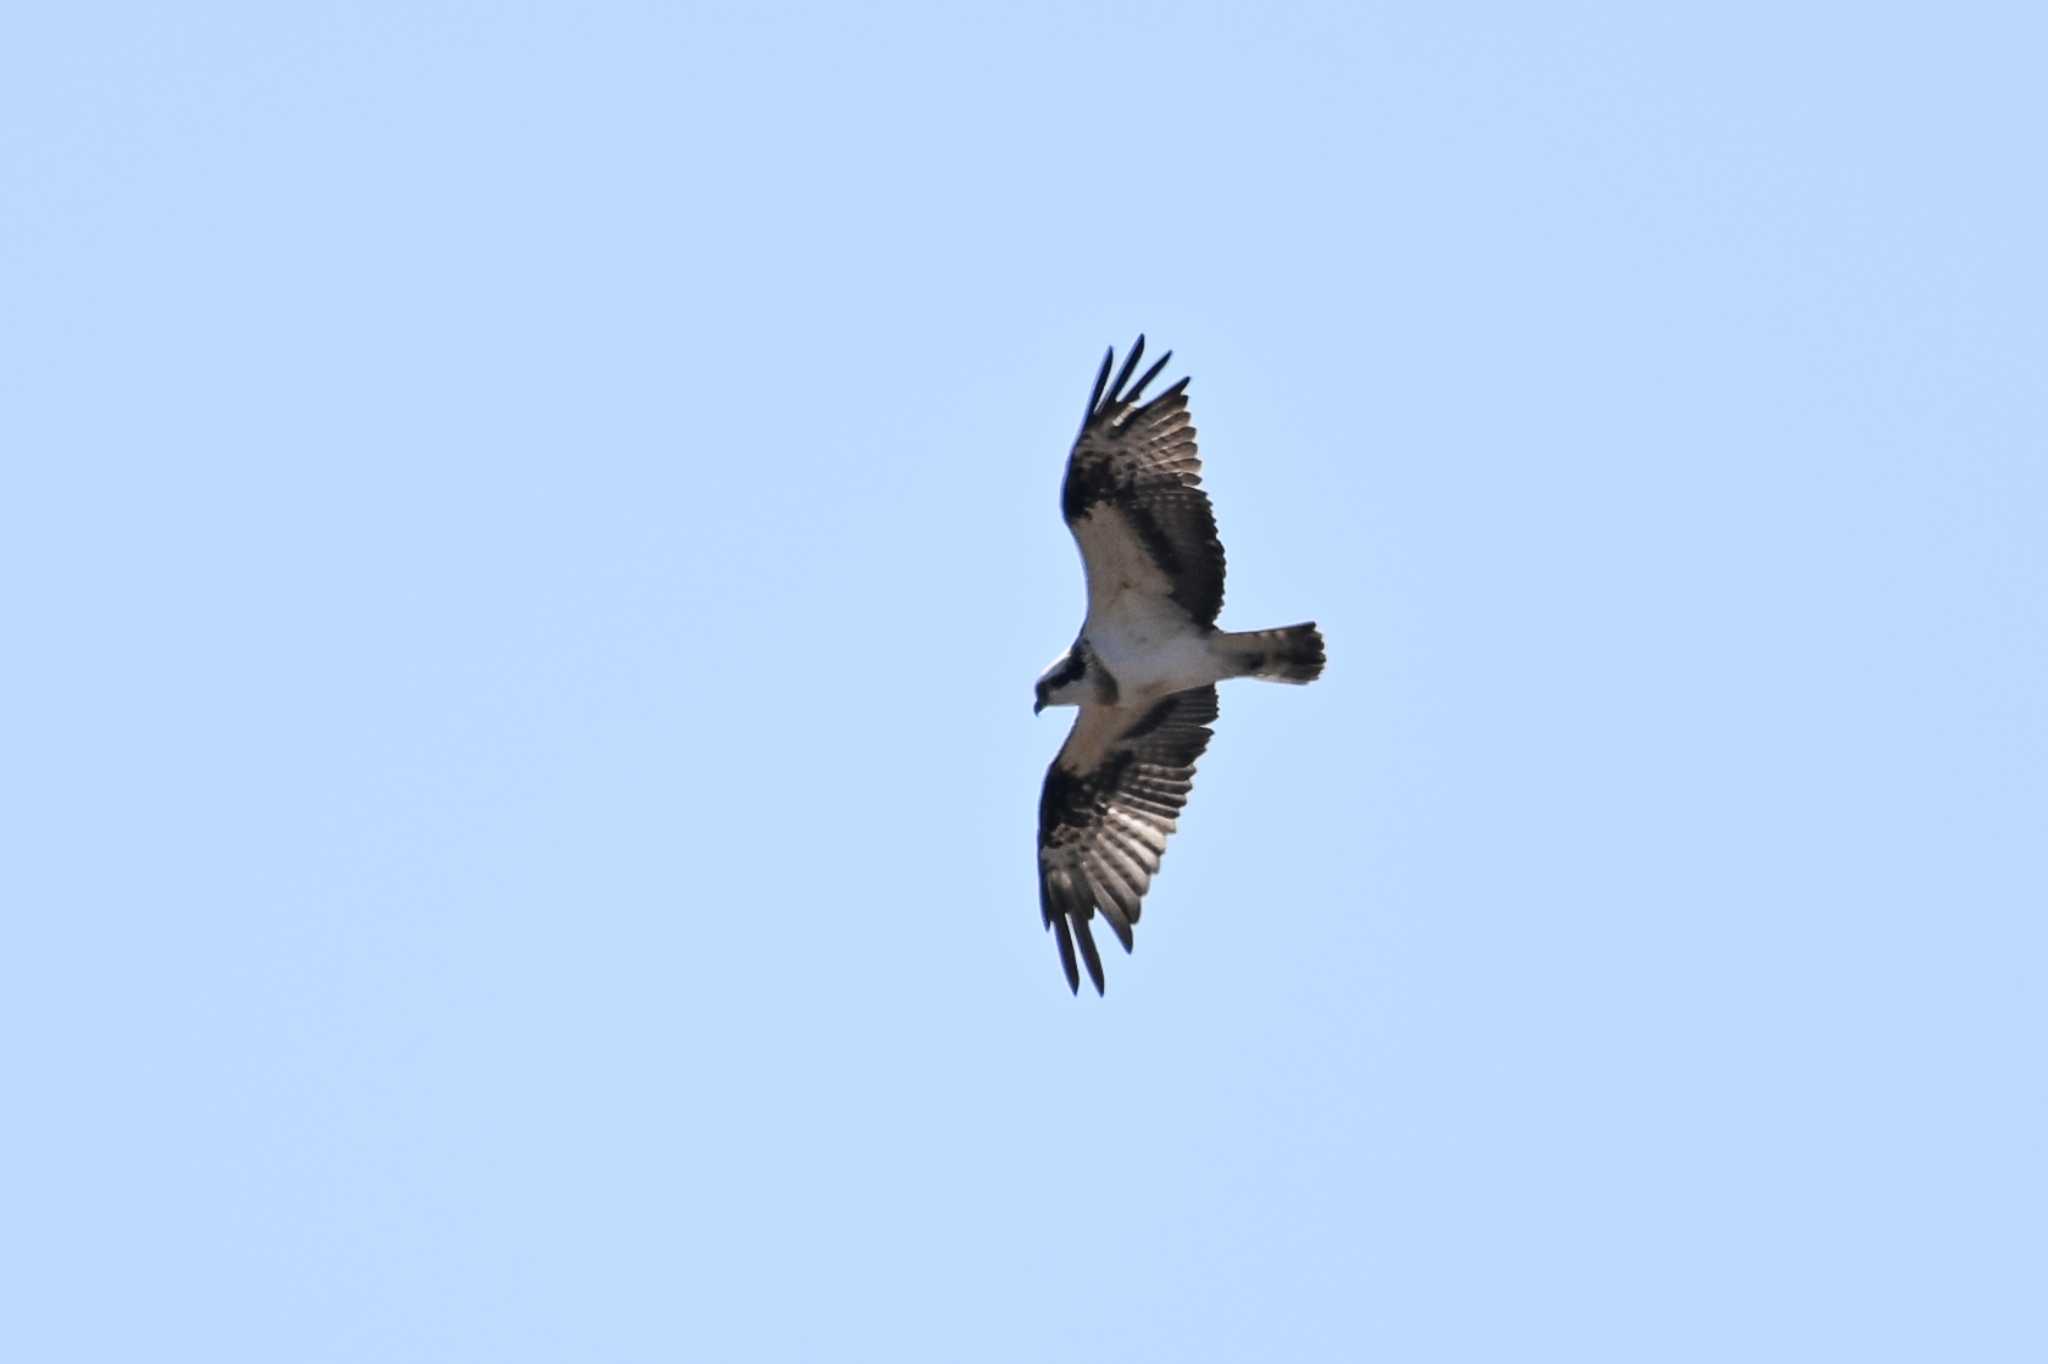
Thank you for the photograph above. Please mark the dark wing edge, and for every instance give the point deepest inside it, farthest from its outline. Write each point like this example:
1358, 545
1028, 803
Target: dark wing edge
1099, 411
1102, 832
1143, 460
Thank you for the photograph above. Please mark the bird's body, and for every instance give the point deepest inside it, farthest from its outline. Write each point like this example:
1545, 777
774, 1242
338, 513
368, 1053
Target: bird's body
1144, 668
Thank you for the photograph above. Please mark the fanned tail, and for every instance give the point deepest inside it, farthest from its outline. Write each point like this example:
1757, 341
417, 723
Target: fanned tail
1292, 653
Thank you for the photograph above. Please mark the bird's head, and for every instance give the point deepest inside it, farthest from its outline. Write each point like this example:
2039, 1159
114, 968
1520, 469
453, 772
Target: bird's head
1064, 683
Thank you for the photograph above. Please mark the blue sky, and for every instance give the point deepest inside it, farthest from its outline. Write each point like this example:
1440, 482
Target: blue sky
528, 535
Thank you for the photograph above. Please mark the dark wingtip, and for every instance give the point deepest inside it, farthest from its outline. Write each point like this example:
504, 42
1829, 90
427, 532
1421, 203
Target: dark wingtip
1089, 954
1101, 382
1138, 389
1065, 937
1180, 386
1116, 389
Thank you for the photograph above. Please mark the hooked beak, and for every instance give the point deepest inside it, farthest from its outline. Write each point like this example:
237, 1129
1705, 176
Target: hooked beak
1037, 706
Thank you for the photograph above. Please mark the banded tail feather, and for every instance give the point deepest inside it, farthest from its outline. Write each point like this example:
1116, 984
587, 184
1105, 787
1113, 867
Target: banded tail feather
1291, 653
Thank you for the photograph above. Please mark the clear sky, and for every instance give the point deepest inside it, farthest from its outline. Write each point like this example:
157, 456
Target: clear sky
527, 535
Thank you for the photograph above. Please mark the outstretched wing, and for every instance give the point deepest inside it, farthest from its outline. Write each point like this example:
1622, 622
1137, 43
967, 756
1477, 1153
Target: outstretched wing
1111, 798
1133, 498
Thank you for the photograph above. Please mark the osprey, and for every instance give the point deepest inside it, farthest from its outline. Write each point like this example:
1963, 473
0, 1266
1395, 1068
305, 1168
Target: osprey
1145, 666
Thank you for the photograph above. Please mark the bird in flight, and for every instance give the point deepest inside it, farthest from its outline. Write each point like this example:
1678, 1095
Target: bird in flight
1145, 666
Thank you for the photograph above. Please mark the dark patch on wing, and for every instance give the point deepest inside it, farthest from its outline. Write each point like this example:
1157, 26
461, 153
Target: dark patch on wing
1143, 461
1102, 830
1106, 684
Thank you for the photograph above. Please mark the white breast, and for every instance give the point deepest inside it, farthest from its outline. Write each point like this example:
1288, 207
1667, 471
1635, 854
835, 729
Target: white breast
1151, 649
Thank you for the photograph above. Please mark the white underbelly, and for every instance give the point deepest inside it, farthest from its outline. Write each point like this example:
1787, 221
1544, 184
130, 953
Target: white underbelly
1153, 657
